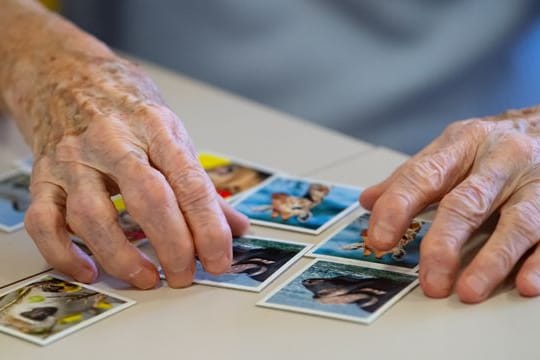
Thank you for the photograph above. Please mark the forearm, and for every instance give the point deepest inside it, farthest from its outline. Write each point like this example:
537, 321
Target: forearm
34, 45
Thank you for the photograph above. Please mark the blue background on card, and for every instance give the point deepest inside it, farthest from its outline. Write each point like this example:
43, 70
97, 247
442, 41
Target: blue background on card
351, 234
296, 295
236, 279
8, 216
338, 199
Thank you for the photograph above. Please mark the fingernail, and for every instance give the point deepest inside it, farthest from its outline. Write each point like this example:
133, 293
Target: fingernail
478, 284
143, 278
533, 278
217, 263
383, 234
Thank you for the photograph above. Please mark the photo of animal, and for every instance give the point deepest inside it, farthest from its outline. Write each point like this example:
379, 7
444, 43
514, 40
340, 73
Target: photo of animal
256, 261
233, 179
349, 243
341, 290
366, 293
397, 252
298, 204
50, 306
230, 177
15, 190
14, 200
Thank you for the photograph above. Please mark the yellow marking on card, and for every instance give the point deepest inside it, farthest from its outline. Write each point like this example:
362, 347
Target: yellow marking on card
71, 288
69, 319
36, 299
210, 161
119, 203
103, 305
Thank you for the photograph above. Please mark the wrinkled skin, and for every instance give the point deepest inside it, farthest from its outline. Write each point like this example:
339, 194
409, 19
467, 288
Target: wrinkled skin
98, 126
474, 169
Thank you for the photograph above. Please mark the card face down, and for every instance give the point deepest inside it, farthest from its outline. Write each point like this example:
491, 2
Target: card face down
257, 261
47, 309
232, 177
14, 200
341, 291
298, 204
348, 243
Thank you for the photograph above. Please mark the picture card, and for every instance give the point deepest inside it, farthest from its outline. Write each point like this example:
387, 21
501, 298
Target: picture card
348, 243
341, 291
257, 261
298, 204
232, 177
49, 308
14, 199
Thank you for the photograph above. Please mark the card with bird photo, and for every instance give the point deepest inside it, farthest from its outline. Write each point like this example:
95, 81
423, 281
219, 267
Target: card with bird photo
341, 291
231, 176
349, 243
49, 308
14, 199
298, 204
257, 261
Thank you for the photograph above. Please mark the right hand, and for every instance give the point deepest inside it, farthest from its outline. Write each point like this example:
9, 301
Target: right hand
100, 127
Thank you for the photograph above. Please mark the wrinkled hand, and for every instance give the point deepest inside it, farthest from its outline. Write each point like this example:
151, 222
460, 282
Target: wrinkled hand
103, 128
475, 168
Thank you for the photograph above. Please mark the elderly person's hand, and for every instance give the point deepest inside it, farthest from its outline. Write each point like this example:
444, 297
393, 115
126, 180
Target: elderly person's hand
474, 169
97, 126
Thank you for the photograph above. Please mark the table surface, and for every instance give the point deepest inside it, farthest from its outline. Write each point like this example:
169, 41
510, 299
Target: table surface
204, 322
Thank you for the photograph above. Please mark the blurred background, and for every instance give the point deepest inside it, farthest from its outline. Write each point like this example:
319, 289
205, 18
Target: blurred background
391, 72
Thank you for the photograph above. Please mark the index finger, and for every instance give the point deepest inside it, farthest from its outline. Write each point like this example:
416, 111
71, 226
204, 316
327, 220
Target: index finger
172, 153
422, 181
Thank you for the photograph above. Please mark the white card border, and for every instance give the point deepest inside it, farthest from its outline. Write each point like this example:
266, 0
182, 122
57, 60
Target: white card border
43, 342
299, 229
394, 268
264, 301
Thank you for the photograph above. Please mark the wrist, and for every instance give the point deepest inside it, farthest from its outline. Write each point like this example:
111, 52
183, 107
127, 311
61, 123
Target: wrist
38, 51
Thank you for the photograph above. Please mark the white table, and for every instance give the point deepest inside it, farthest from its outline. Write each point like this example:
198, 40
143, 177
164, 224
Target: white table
204, 322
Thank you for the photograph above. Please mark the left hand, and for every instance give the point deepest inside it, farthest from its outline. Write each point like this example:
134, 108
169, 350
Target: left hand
475, 168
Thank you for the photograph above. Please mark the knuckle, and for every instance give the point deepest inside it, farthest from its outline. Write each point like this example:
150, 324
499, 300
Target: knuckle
429, 172
155, 193
37, 222
464, 129
522, 222
504, 257
457, 126
396, 199
470, 202
520, 146
193, 186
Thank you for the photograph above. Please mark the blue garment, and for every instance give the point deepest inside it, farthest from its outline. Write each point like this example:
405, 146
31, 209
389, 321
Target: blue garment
356, 66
